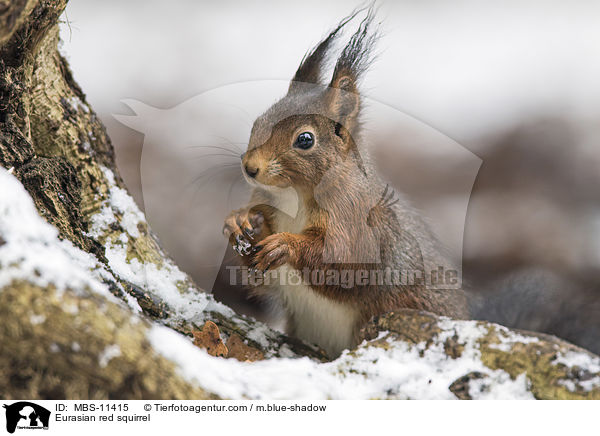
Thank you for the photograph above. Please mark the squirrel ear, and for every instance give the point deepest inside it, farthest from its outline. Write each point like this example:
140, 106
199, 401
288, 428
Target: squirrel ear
343, 101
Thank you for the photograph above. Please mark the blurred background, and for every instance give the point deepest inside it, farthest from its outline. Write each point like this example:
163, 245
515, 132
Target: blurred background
516, 83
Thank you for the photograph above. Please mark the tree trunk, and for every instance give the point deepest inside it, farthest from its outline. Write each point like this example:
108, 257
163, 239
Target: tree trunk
54, 143
87, 295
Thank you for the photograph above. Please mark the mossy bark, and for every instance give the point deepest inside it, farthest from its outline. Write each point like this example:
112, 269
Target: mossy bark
54, 346
534, 354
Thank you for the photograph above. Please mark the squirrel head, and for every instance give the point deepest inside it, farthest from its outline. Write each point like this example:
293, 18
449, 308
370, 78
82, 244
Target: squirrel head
316, 125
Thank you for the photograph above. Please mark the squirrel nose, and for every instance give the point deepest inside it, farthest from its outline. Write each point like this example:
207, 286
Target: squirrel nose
252, 172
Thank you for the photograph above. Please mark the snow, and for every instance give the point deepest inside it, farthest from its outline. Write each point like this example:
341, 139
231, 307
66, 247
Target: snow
121, 201
77, 104
503, 388
590, 384
108, 354
164, 281
581, 361
508, 337
584, 385
32, 251
259, 335
101, 220
399, 370
37, 319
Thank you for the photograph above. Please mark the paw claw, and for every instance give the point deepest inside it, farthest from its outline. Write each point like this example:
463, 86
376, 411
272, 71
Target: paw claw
241, 228
271, 254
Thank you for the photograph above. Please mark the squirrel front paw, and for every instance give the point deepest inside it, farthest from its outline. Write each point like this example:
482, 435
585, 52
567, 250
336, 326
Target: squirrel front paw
273, 251
242, 227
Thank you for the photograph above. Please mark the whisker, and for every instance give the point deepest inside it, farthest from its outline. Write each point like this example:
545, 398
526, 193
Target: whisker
274, 168
229, 142
208, 171
228, 150
225, 172
215, 154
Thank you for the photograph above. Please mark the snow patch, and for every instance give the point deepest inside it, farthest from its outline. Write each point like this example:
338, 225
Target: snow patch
582, 362
590, 384
119, 201
399, 370
501, 387
259, 335
508, 338
572, 359
164, 281
33, 253
75, 103
108, 354
37, 319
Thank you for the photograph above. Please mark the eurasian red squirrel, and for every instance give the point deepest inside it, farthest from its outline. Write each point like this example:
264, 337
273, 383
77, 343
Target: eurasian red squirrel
320, 215
306, 154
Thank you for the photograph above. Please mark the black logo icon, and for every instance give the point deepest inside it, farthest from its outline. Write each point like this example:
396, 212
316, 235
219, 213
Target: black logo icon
26, 415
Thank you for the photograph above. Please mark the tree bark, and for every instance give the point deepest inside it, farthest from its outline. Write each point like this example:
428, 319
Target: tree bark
59, 149
54, 143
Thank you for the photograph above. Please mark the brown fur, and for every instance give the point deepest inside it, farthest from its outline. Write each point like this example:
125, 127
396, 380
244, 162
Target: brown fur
332, 114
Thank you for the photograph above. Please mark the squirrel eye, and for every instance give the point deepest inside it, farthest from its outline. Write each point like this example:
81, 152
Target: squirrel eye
305, 140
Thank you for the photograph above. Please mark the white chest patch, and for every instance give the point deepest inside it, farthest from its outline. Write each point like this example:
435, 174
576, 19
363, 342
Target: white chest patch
284, 222
317, 319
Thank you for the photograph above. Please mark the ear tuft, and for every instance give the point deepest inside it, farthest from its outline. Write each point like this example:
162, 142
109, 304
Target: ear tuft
313, 62
357, 55
342, 97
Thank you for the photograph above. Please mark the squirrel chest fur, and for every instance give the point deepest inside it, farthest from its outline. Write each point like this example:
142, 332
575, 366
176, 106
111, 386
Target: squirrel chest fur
336, 245
310, 315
